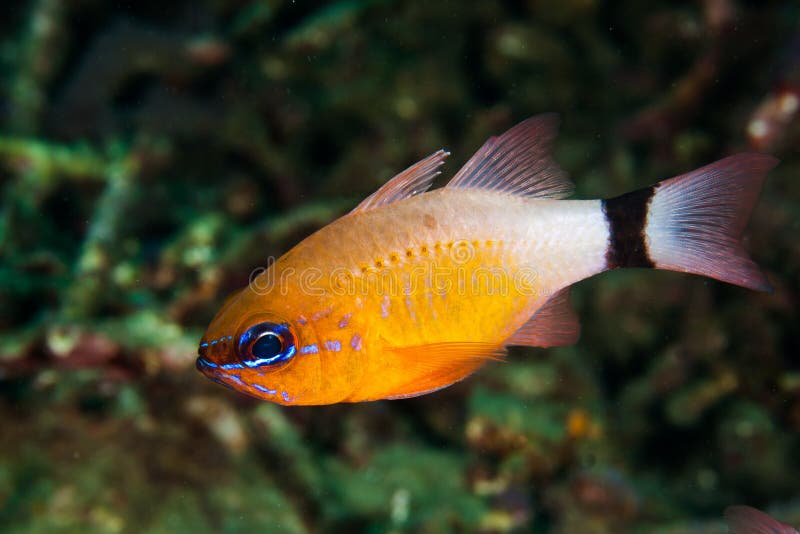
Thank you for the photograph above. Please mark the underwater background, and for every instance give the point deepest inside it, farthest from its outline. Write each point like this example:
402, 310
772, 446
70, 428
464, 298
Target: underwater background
152, 154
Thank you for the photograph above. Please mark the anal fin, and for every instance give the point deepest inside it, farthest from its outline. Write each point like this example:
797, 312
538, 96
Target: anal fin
553, 325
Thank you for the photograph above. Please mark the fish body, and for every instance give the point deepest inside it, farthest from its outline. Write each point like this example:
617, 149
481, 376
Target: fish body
415, 290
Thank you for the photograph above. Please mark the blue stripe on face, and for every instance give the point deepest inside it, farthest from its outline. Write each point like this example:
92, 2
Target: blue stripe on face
225, 379
309, 349
333, 345
215, 341
237, 379
268, 391
203, 362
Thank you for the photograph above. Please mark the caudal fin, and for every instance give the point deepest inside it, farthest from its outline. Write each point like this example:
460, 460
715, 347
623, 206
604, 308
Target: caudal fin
692, 223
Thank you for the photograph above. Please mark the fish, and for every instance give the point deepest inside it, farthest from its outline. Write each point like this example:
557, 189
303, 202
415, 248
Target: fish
748, 520
416, 289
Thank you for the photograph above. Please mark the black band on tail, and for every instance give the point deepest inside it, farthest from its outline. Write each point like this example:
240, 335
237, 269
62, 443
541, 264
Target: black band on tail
627, 217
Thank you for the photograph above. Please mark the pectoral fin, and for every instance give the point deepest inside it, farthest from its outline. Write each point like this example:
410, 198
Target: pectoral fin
420, 369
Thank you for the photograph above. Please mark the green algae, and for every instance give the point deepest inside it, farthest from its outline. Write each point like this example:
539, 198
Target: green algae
394, 492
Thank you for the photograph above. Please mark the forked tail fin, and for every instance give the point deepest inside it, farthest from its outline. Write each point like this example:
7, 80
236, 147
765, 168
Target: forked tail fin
692, 223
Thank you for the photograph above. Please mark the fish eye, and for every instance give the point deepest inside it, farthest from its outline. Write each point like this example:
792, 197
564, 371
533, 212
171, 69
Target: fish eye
266, 344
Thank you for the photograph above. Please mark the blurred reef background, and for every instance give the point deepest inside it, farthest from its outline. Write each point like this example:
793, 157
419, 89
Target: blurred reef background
153, 153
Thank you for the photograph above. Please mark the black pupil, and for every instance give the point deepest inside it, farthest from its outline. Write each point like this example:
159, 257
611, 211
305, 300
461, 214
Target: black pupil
267, 346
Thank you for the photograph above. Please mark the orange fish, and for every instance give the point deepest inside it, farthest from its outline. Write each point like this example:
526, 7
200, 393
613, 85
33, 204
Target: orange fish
413, 290
747, 520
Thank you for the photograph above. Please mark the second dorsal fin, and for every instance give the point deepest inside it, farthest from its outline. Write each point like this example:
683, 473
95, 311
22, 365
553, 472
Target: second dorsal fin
412, 181
518, 162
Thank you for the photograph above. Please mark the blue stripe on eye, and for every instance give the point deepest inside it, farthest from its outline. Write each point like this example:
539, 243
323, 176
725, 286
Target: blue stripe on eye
309, 349
258, 362
268, 391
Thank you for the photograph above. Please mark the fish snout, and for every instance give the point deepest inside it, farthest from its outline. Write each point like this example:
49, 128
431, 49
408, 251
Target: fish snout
214, 351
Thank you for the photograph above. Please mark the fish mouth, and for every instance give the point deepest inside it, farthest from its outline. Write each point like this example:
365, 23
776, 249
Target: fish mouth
203, 365
211, 371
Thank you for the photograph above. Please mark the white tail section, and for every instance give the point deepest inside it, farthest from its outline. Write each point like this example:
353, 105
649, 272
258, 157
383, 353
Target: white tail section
695, 221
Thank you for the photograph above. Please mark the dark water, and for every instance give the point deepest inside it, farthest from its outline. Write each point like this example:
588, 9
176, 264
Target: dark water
153, 153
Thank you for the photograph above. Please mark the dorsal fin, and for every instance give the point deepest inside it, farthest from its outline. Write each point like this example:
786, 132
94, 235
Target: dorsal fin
412, 181
553, 325
518, 162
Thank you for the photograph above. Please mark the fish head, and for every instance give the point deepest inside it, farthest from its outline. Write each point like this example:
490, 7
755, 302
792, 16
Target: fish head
253, 346
285, 343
